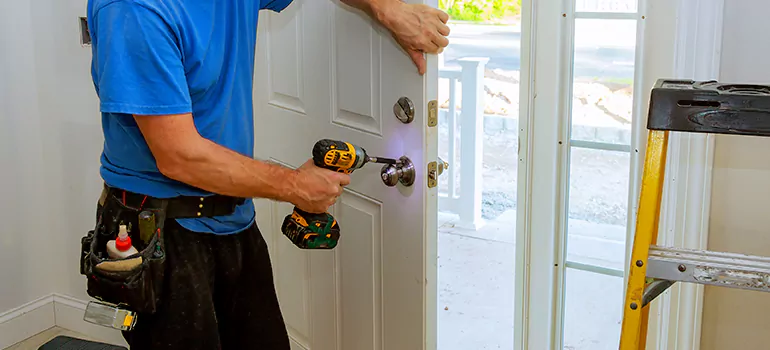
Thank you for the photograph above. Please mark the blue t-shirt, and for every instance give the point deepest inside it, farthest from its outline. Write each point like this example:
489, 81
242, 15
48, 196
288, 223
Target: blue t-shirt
156, 57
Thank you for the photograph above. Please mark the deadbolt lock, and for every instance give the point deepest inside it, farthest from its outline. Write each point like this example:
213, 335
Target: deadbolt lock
442, 165
404, 110
435, 169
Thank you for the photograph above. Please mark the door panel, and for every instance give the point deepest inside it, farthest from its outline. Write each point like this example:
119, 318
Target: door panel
356, 73
325, 71
359, 271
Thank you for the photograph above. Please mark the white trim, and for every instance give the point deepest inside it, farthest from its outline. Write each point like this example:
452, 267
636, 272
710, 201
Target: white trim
537, 241
26, 320
430, 230
24, 309
51, 310
645, 74
564, 121
524, 178
675, 321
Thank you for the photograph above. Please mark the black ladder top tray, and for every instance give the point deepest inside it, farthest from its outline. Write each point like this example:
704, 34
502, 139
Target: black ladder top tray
710, 107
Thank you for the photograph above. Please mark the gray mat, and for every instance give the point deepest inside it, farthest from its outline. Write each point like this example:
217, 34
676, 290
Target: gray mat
68, 343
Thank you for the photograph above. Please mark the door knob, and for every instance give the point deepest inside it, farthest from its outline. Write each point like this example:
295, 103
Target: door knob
401, 172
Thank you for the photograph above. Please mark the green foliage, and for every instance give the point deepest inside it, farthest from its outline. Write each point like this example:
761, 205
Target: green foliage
481, 10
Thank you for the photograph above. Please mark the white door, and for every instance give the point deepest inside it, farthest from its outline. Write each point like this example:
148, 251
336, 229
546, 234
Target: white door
325, 71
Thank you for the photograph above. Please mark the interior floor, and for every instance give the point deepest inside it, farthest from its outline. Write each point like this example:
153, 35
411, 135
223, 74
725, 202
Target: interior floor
34, 342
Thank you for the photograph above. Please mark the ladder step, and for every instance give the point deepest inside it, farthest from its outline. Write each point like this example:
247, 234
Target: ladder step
730, 270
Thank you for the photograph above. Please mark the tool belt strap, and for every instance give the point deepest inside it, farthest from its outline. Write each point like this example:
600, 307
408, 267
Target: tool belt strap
178, 207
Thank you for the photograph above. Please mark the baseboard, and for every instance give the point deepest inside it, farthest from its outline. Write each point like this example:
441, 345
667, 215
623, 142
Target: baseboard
52, 310
26, 320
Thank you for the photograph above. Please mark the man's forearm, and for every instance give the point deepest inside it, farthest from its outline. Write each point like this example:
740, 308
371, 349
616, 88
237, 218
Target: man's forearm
216, 169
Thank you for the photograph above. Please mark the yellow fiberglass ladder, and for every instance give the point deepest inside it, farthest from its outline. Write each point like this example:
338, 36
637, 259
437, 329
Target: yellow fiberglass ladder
696, 107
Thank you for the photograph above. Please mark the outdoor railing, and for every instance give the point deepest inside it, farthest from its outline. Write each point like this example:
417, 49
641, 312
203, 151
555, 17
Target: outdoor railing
470, 119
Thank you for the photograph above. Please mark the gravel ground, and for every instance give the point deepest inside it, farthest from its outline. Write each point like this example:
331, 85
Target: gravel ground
598, 189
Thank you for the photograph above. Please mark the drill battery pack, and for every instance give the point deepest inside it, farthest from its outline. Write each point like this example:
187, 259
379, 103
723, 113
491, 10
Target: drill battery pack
311, 231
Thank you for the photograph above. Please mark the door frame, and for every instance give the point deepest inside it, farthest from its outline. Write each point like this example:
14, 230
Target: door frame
693, 52
430, 232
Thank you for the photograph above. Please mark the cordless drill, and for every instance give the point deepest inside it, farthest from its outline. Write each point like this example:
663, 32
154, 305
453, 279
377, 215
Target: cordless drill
321, 231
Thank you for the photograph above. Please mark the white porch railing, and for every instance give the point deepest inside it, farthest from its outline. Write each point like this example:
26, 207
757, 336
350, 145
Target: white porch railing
467, 201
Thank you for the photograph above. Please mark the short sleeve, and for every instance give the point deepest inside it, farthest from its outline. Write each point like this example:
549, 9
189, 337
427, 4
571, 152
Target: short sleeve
137, 62
275, 5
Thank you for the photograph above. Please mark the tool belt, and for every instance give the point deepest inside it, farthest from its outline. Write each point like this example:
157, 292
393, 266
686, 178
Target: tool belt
136, 282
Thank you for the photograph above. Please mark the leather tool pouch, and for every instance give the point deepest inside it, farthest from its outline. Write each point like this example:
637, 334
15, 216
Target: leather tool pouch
135, 282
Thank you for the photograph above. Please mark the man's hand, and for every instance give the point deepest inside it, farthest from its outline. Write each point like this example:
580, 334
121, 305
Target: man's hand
317, 188
418, 28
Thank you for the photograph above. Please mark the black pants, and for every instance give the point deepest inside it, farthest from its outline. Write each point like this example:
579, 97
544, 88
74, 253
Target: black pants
218, 294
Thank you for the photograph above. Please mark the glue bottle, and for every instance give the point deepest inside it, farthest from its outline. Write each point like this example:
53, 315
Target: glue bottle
121, 247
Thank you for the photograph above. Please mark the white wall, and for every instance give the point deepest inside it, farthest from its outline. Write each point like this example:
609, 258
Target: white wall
734, 319
72, 131
50, 133
26, 255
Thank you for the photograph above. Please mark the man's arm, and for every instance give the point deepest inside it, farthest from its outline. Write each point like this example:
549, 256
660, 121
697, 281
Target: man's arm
417, 28
196, 161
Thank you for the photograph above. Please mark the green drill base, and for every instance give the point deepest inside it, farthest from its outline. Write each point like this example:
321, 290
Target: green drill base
311, 231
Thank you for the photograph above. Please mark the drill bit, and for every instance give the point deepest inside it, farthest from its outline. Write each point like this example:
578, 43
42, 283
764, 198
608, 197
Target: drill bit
381, 160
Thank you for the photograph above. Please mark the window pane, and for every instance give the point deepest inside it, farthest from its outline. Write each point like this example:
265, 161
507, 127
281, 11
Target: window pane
601, 121
603, 80
598, 204
605, 5
593, 311
601, 115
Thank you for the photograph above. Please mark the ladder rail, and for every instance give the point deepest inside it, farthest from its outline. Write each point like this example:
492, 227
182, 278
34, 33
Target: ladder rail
635, 313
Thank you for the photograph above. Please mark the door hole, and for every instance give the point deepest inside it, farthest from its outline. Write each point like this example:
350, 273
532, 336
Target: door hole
85, 35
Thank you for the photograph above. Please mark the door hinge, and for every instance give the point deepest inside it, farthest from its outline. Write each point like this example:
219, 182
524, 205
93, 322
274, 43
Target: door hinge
432, 113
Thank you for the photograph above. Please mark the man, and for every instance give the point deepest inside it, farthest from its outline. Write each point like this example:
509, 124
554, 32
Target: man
174, 78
